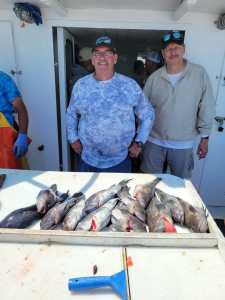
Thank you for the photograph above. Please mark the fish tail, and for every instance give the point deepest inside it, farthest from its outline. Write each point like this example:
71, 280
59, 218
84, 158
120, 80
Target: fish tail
124, 181
53, 187
156, 181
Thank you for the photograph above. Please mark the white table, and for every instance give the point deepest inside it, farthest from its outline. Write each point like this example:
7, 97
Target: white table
37, 264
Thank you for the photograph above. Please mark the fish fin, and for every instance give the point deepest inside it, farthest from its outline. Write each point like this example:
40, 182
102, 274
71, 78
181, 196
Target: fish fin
78, 195
157, 196
53, 187
156, 181
205, 211
124, 181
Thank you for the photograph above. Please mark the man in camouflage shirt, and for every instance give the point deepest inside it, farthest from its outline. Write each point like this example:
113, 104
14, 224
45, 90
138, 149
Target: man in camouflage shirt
101, 115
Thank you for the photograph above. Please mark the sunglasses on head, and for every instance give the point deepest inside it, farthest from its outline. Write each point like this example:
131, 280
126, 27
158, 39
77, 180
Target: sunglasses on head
103, 40
174, 35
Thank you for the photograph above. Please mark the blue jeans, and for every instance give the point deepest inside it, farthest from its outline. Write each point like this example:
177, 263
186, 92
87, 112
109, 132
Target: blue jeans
123, 167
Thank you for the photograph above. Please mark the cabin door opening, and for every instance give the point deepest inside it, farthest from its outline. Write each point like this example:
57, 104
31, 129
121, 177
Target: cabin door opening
131, 44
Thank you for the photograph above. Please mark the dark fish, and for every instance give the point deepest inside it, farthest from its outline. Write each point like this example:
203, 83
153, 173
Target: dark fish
173, 203
46, 199
131, 205
56, 214
123, 221
2, 179
48, 221
145, 192
75, 214
159, 218
194, 218
21, 218
99, 218
67, 205
98, 199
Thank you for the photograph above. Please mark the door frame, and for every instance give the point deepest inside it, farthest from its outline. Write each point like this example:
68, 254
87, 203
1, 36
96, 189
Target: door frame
62, 36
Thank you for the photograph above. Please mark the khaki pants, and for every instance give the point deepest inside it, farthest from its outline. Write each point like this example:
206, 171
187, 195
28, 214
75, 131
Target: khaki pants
156, 159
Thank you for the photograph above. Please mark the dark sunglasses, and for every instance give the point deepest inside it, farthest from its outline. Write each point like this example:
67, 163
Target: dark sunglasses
103, 40
174, 35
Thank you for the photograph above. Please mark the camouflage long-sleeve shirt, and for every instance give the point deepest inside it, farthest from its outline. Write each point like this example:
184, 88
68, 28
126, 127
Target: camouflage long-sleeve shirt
102, 115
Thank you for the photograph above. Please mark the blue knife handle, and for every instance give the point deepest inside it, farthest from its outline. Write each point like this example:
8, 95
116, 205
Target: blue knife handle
82, 283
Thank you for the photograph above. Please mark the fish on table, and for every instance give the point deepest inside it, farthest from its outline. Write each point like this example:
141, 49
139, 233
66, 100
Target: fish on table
56, 214
21, 218
111, 209
195, 218
145, 192
46, 199
173, 203
159, 217
101, 197
122, 220
75, 214
99, 218
184, 213
130, 204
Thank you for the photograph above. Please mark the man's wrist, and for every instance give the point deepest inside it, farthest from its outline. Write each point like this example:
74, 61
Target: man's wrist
205, 137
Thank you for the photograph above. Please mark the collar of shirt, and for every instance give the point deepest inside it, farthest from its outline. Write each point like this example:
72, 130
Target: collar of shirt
186, 70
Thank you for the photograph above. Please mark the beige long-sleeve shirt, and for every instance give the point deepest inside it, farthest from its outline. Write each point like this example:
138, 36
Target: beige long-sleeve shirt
184, 111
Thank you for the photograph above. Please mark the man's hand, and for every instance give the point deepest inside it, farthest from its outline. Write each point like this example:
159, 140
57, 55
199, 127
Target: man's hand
135, 150
203, 148
21, 145
77, 147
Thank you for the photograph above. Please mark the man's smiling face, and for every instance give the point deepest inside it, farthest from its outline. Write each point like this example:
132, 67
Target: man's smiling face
104, 59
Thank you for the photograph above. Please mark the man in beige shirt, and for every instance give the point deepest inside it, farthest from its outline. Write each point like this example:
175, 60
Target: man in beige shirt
182, 97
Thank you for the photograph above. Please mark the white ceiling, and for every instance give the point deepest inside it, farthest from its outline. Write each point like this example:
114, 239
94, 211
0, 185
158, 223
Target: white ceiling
206, 6
124, 4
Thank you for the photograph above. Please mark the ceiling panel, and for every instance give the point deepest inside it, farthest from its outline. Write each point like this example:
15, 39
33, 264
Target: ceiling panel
123, 4
205, 6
